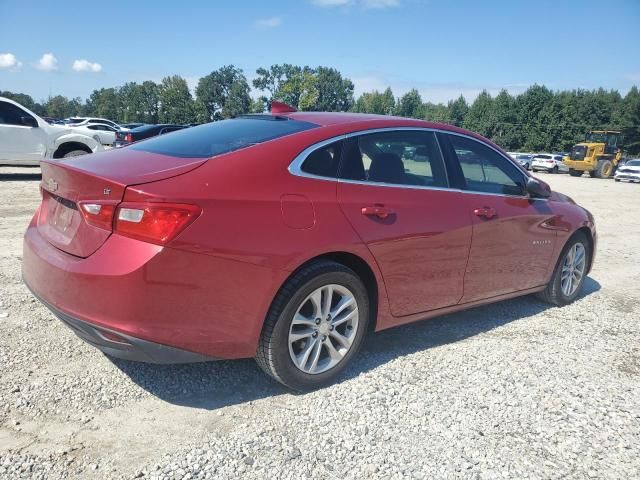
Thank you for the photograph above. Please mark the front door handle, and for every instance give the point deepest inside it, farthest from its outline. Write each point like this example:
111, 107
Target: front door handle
485, 212
379, 211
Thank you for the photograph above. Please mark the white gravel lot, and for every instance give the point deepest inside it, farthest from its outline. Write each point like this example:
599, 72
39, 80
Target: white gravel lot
513, 390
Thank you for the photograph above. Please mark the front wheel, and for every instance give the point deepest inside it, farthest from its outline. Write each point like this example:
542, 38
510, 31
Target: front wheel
569, 274
315, 326
604, 169
74, 153
554, 170
575, 173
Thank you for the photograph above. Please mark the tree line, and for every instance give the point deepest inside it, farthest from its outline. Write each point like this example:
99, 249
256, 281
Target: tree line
539, 119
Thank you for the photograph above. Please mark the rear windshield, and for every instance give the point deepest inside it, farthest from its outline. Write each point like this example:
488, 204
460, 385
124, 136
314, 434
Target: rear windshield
546, 157
221, 137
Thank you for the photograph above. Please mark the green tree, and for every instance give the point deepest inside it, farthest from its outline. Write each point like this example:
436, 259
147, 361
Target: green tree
375, 102
410, 105
458, 110
176, 102
481, 116
62, 107
629, 120
506, 133
224, 93
334, 93
104, 103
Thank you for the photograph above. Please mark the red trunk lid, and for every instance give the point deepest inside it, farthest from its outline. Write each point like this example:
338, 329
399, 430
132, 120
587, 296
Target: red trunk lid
98, 178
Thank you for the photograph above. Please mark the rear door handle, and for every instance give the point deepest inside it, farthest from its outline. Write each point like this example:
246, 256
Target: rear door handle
485, 212
379, 211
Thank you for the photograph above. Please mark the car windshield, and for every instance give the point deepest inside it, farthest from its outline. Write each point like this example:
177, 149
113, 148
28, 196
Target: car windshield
220, 137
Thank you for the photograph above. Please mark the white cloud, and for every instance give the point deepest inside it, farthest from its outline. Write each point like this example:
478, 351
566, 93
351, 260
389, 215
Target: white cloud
10, 62
271, 22
361, 3
47, 62
86, 66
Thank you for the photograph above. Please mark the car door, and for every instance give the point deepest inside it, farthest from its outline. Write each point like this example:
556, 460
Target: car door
394, 191
512, 245
20, 143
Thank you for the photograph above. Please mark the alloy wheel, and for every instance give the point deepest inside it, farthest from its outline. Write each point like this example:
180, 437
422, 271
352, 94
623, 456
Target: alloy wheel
323, 329
573, 269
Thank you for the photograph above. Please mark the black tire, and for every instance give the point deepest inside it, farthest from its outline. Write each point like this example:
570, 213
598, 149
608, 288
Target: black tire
617, 179
74, 153
553, 292
273, 349
604, 169
575, 173
554, 169
592, 174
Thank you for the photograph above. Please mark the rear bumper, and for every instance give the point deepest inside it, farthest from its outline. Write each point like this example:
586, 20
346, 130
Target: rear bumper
120, 345
166, 303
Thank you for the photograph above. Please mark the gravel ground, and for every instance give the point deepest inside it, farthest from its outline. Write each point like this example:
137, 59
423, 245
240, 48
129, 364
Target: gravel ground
512, 390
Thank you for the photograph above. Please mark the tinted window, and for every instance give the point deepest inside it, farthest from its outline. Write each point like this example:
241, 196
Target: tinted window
11, 115
404, 157
545, 157
220, 137
558, 158
485, 170
324, 161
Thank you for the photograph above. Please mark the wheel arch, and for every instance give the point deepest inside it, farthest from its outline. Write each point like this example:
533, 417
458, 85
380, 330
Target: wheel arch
67, 147
356, 263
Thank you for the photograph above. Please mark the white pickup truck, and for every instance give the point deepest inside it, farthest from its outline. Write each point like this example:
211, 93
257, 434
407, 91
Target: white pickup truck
25, 138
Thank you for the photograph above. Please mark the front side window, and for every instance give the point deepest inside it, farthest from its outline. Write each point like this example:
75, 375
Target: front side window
485, 170
401, 157
324, 161
11, 115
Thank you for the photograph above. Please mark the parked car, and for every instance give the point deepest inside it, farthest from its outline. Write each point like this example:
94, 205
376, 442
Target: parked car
26, 139
286, 237
525, 160
105, 134
629, 171
547, 162
77, 121
146, 131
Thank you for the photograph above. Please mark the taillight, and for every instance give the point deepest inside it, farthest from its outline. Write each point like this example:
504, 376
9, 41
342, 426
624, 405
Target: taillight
128, 138
98, 214
157, 223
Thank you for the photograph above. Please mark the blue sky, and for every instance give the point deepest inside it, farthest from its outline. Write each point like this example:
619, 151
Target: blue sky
441, 47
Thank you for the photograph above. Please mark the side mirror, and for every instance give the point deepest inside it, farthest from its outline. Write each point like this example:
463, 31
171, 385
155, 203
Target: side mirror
537, 188
29, 121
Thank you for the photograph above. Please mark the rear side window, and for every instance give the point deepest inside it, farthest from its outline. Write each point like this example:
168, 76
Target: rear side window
221, 137
402, 157
485, 170
324, 161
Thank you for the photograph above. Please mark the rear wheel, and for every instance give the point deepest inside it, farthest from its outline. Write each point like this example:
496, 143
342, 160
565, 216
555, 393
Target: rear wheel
315, 326
575, 173
604, 169
569, 274
554, 169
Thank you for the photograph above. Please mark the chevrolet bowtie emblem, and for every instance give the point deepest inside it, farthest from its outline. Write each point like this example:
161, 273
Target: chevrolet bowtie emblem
52, 184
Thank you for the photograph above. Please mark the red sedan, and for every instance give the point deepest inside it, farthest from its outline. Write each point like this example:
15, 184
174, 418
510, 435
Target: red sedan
285, 237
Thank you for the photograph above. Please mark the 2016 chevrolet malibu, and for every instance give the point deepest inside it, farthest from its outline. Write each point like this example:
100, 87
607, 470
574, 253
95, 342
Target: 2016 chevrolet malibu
286, 236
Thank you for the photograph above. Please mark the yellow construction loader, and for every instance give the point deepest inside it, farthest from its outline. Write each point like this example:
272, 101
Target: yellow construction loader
599, 154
